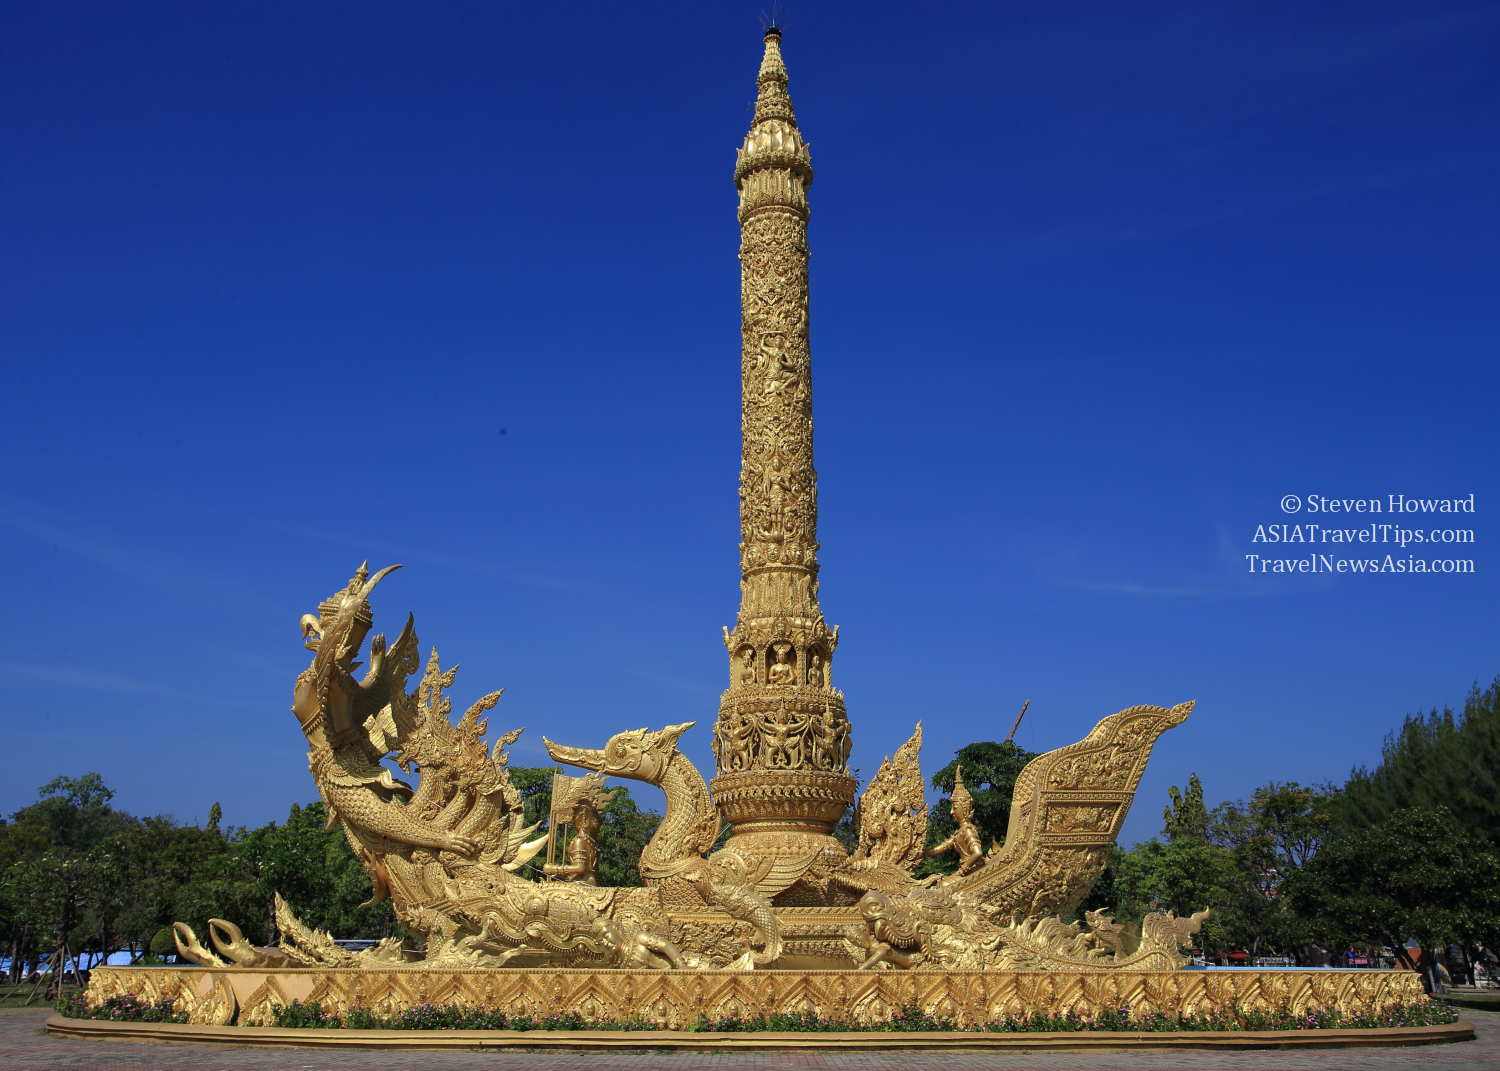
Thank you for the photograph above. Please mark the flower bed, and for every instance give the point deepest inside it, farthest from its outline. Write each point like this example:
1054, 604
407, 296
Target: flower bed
436, 1017
297, 1015
909, 1019
126, 1008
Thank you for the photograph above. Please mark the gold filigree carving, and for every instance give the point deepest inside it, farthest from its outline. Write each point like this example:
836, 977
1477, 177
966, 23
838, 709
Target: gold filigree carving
673, 999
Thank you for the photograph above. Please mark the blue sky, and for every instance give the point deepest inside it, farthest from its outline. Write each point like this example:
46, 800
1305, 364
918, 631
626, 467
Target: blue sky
1094, 286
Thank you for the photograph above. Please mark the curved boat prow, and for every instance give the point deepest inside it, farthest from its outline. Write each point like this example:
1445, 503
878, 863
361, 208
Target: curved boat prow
1065, 814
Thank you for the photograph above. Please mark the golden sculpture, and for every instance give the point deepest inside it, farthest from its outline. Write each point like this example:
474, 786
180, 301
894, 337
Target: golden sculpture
782, 897
782, 891
782, 738
576, 803
965, 840
448, 855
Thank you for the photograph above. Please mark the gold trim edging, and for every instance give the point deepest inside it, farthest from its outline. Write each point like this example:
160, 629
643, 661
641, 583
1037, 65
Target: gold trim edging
1101, 1041
675, 999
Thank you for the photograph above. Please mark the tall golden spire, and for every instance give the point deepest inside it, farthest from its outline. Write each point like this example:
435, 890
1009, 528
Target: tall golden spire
782, 738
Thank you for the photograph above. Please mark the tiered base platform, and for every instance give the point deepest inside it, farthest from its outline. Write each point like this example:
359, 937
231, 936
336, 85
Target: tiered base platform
673, 1000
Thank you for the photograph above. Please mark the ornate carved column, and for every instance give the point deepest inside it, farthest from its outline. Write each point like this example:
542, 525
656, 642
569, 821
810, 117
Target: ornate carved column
782, 738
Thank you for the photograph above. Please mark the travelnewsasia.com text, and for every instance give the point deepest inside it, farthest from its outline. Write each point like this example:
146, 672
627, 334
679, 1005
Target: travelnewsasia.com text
1322, 563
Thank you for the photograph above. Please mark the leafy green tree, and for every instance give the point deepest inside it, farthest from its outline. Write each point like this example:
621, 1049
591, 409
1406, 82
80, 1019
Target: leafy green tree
535, 785
145, 887
1437, 760
75, 812
316, 871
1418, 874
1279, 830
20, 842
1186, 818
1215, 860
67, 868
624, 831
1184, 876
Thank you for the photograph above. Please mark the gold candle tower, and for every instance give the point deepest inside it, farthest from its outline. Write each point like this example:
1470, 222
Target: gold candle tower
782, 738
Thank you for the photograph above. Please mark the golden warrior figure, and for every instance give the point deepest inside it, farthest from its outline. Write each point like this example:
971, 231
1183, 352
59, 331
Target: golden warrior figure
965, 840
579, 809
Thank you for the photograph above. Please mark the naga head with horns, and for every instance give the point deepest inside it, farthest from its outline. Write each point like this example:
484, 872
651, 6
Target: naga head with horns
328, 701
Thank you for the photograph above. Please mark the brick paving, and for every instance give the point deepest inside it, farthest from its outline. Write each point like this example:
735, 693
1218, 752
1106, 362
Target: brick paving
24, 1047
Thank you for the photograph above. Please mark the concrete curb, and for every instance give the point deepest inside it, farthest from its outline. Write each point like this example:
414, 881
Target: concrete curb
683, 1041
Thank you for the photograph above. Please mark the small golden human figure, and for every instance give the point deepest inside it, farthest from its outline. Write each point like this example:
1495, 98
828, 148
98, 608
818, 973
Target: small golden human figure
747, 666
583, 817
815, 673
966, 840
781, 672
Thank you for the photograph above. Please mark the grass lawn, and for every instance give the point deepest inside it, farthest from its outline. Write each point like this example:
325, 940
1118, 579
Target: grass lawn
1489, 1000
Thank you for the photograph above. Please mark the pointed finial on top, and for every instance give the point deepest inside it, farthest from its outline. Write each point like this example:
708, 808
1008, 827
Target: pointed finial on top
771, 65
772, 102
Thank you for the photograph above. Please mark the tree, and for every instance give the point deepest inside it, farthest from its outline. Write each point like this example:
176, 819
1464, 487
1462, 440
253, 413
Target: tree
990, 772
1184, 876
316, 872
1279, 830
51, 889
624, 830
1418, 874
20, 842
74, 811
1186, 818
145, 885
535, 785
1206, 860
1437, 760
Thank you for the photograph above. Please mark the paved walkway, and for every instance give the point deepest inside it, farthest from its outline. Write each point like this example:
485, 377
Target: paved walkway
23, 1047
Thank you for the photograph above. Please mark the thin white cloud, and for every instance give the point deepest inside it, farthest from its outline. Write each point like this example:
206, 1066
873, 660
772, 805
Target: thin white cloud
109, 682
174, 578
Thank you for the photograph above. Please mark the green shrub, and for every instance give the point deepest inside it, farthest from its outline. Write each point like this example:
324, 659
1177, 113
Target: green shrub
439, 1017
909, 1019
301, 1016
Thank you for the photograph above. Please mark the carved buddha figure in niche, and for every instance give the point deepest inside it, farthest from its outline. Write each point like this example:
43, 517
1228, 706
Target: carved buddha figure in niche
781, 671
815, 673
747, 666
